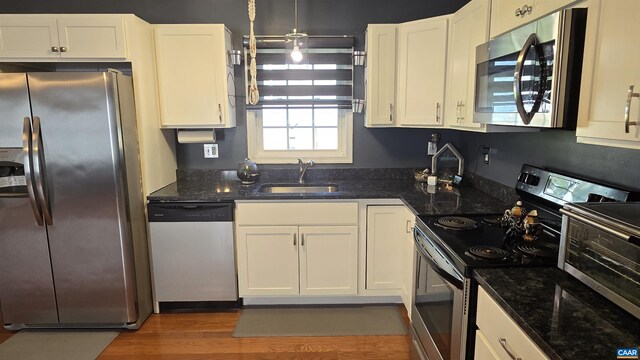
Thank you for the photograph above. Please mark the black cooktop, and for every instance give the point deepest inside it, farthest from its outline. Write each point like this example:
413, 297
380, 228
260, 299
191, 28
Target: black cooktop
480, 241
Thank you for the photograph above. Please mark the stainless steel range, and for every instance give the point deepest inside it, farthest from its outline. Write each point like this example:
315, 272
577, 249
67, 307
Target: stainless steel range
450, 247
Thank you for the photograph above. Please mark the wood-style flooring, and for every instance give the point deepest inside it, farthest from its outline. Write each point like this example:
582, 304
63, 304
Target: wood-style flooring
194, 336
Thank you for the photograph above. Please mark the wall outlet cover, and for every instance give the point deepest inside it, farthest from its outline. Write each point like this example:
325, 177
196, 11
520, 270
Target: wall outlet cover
210, 151
432, 149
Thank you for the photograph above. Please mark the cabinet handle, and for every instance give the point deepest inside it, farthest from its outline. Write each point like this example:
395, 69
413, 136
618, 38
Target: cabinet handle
302, 239
438, 112
54, 49
220, 113
627, 110
63, 49
409, 227
461, 111
390, 112
503, 342
524, 10
295, 239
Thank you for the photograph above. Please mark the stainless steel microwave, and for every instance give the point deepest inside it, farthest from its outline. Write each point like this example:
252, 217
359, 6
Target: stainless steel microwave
530, 76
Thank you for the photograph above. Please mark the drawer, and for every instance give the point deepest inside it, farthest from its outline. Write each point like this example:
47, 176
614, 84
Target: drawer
496, 324
297, 213
483, 350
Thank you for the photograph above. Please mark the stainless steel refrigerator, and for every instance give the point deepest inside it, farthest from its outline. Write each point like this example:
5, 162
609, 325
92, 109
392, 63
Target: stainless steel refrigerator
73, 246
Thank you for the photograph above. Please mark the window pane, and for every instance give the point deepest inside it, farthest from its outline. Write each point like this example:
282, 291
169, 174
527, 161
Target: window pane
325, 66
274, 117
274, 66
327, 139
300, 66
300, 82
325, 82
275, 82
326, 117
274, 139
300, 117
301, 139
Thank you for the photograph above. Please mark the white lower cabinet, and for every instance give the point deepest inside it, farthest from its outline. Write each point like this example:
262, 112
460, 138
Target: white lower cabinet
297, 248
498, 336
390, 250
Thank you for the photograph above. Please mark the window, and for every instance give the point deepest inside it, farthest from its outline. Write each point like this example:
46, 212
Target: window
304, 109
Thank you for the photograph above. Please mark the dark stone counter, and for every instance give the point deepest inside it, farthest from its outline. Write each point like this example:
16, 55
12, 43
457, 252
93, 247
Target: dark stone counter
224, 186
565, 318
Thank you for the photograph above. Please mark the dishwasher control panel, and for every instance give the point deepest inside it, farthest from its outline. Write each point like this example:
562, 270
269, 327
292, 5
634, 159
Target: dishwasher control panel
190, 211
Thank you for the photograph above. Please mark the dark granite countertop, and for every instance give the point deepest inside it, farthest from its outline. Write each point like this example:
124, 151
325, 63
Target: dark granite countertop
420, 198
565, 318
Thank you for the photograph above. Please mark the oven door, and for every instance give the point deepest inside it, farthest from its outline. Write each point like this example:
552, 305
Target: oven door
439, 312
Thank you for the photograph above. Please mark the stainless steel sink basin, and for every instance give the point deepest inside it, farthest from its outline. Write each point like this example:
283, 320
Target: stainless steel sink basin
297, 188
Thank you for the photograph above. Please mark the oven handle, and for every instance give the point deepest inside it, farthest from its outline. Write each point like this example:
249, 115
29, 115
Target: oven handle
595, 224
532, 41
449, 273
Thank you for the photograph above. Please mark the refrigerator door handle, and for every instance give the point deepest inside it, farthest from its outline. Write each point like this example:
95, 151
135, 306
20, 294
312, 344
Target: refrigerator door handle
28, 155
39, 171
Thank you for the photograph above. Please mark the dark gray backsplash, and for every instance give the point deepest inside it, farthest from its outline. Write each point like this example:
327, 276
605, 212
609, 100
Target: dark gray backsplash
372, 147
556, 149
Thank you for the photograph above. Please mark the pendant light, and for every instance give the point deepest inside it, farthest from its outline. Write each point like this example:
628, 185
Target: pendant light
296, 41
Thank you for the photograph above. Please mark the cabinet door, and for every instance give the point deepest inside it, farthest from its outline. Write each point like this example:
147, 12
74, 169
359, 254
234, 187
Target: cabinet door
478, 14
458, 65
380, 75
408, 265
386, 232
28, 36
422, 53
610, 68
92, 36
191, 65
267, 260
328, 260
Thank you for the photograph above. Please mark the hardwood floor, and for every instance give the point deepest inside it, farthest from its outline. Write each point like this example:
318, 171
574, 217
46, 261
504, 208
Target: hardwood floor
208, 336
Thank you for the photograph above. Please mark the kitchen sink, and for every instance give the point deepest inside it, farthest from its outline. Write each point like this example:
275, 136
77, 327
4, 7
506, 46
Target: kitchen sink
297, 188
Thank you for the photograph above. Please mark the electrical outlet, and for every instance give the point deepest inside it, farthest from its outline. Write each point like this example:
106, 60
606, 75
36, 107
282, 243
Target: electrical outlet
486, 152
210, 151
432, 148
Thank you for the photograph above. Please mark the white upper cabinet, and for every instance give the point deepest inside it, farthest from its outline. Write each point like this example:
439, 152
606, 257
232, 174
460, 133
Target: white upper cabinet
380, 75
62, 36
195, 78
469, 28
421, 68
405, 73
510, 14
609, 111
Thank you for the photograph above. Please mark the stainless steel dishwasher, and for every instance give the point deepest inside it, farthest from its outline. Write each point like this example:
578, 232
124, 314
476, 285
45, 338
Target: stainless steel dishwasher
192, 254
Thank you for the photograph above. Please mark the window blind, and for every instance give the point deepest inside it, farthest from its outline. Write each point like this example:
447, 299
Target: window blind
324, 79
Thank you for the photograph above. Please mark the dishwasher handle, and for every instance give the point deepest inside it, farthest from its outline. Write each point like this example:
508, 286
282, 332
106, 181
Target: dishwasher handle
190, 211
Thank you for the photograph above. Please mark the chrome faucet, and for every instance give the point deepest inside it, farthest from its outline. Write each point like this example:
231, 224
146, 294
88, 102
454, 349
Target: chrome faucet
302, 167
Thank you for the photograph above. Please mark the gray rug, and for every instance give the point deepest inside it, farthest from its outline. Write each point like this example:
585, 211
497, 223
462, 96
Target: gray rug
56, 344
326, 321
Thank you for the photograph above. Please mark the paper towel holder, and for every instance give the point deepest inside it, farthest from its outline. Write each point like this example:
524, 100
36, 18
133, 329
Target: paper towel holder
196, 136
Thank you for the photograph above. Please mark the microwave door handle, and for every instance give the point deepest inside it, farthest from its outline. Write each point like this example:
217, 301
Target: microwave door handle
39, 171
532, 41
27, 149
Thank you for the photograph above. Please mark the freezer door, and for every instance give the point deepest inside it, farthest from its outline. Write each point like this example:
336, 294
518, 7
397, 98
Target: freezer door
26, 283
14, 106
89, 232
